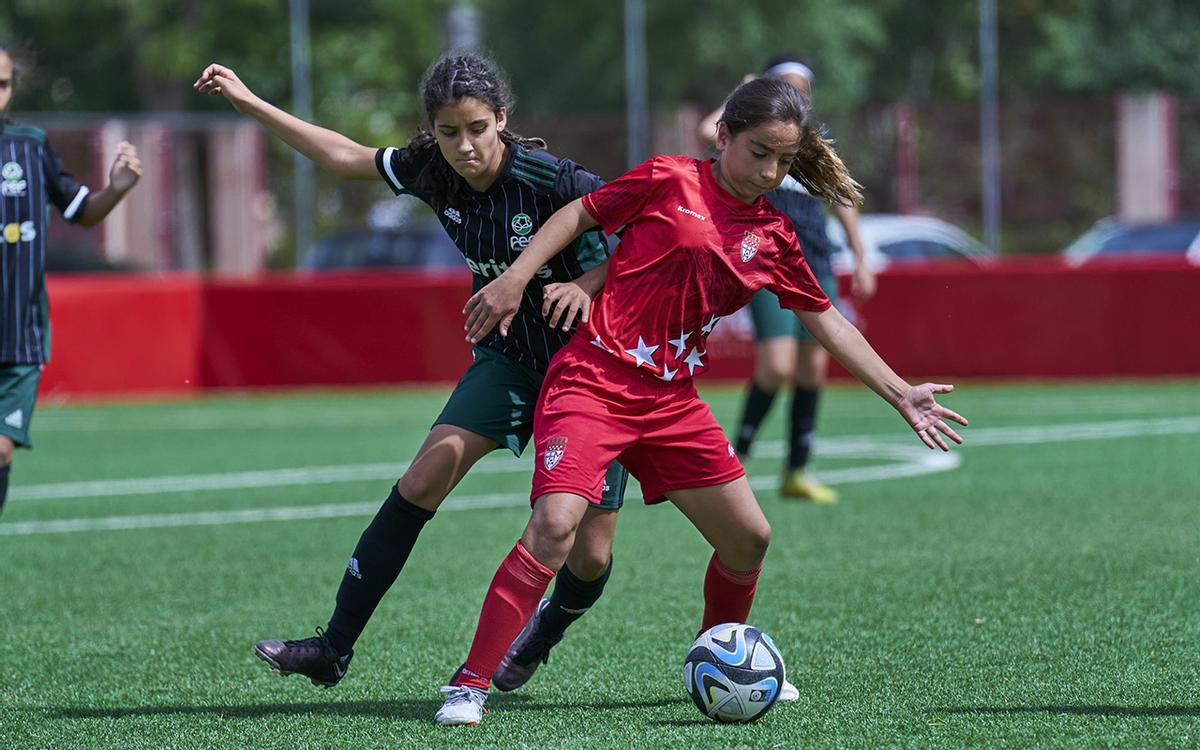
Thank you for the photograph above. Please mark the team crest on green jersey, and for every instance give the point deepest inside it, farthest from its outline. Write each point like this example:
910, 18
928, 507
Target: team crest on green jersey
14, 180
522, 224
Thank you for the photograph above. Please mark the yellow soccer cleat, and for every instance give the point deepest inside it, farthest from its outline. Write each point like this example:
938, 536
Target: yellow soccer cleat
798, 484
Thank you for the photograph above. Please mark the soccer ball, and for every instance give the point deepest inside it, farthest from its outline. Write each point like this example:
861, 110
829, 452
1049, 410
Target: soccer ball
733, 672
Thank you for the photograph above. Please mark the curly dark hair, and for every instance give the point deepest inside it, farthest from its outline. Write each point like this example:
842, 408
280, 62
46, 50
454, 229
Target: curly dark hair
451, 79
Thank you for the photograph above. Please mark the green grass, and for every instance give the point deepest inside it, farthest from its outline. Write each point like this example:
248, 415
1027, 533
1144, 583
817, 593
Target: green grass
1042, 593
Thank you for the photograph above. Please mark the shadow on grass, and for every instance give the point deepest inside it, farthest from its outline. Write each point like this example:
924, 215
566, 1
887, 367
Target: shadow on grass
414, 710
1097, 710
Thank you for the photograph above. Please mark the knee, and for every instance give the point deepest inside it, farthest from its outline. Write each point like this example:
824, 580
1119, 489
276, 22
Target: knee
772, 376
588, 562
6, 452
418, 489
549, 537
750, 549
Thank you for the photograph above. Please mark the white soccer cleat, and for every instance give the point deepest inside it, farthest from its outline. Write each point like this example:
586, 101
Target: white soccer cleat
463, 706
789, 692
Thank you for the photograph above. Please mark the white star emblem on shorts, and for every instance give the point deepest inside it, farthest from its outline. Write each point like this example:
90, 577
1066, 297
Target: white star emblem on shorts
693, 361
643, 354
668, 374
711, 324
596, 342
680, 343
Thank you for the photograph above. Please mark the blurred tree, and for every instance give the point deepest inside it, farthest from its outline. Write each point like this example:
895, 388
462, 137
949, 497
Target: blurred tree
1101, 46
570, 56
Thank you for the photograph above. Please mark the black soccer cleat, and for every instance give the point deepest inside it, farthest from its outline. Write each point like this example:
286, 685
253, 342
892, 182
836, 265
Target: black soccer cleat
315, 658
528, 651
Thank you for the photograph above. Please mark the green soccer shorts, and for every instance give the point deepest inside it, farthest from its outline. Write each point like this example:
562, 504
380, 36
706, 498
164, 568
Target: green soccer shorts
771, 321
18, 393
496, 398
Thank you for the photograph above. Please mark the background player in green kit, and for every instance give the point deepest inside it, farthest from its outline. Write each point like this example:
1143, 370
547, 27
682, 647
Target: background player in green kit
491, 189
786, 353
32, 178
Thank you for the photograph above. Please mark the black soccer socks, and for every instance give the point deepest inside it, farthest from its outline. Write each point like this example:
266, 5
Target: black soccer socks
4, 484
570, 600
379, 557
804, 420
758, 403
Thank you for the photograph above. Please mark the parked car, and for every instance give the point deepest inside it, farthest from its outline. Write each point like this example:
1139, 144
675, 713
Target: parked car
1112, 238
400, 233
890, 239
416, 246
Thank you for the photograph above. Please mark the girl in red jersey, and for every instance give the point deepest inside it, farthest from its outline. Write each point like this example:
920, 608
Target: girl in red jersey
697, 241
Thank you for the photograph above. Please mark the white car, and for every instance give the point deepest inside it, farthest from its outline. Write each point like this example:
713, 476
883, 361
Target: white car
889, 239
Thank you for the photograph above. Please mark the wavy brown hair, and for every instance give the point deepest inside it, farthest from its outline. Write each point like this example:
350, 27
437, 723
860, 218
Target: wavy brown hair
817, 165
448, 81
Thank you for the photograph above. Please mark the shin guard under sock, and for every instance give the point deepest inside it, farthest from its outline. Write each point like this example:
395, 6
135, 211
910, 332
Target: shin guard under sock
728, 593
511, 600
378, 559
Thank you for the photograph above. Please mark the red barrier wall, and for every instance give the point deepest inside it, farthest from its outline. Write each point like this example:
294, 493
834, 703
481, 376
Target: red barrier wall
395, 327
1017, 319
123, 335
1038, 318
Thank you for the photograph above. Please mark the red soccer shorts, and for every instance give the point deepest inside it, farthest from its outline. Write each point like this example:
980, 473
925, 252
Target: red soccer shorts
594, 409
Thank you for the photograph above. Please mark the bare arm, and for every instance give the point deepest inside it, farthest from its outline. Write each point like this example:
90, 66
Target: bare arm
124, 174
332, 151
863, 281
915, 403
707, 129
498, 301
564, 301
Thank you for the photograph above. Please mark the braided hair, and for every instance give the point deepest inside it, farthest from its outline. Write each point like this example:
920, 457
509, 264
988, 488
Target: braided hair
448, 81
817, 166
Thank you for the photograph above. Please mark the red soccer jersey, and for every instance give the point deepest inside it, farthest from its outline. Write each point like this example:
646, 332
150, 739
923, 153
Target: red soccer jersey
690, 254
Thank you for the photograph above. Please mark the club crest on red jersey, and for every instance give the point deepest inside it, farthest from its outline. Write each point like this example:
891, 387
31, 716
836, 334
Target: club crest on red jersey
749, 246
554, 451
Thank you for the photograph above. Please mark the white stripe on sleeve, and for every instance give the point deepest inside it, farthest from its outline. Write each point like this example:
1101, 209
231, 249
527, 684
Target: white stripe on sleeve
388, 153
69, 214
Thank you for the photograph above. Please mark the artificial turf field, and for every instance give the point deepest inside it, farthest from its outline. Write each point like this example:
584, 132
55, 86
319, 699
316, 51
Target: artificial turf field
1039, 587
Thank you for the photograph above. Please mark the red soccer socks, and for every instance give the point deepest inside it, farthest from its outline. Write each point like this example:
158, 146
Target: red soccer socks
516, 589
728, 593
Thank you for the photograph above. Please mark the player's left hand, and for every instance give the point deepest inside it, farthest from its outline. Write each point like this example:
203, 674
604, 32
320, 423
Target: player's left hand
496, 303
862, 283
126, 169
926, 415
565, 302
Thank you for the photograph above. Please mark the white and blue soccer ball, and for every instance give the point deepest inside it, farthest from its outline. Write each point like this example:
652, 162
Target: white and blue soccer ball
734, 673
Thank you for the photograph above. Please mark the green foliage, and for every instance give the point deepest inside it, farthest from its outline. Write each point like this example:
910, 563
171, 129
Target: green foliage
694, 50
569, 57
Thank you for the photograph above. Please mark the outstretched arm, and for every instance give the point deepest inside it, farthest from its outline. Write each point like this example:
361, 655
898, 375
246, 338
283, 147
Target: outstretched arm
332, 151
498, 301
124, 174
915, 403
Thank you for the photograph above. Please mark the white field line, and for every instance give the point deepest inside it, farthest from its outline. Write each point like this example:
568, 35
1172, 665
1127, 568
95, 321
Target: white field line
865, 446
908, 461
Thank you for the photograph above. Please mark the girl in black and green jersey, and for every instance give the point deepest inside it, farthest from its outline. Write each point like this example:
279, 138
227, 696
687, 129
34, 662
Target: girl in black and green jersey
491, 189
31, 179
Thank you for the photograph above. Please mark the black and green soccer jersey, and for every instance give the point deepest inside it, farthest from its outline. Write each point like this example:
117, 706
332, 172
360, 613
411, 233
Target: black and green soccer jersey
31, 178
496, 224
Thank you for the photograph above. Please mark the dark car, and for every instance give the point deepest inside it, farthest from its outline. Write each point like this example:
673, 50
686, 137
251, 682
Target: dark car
421, 246
1120, 238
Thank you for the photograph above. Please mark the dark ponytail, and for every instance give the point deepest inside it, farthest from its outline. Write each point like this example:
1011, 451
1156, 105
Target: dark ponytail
817, 166
448, 81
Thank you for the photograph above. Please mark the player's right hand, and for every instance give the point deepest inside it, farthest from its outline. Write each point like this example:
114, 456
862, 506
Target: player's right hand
496, 303
218, 80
